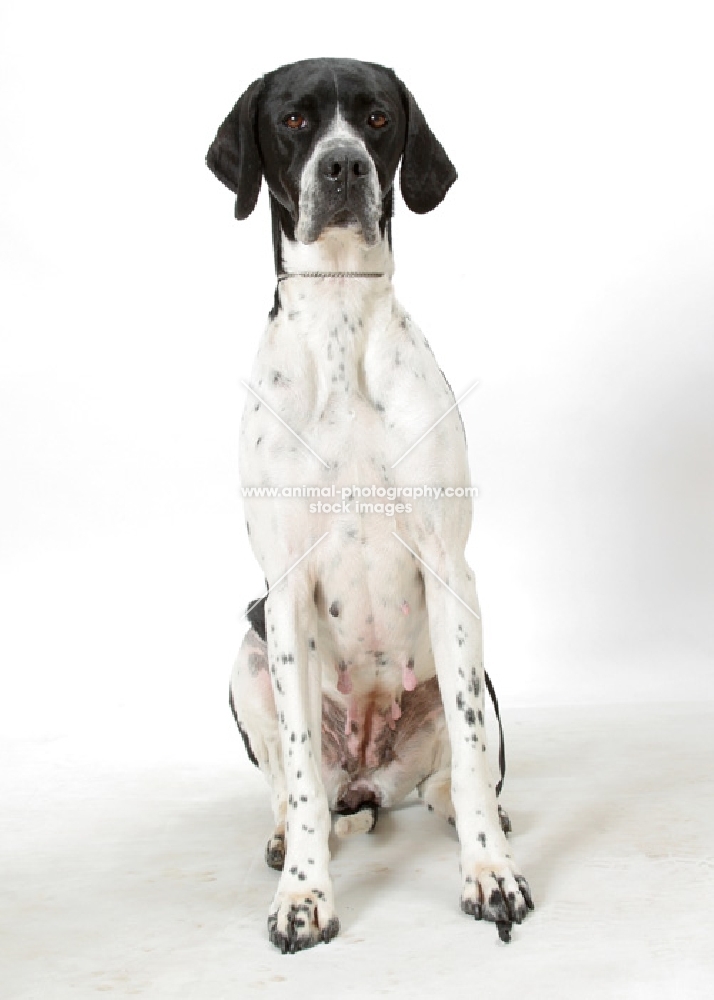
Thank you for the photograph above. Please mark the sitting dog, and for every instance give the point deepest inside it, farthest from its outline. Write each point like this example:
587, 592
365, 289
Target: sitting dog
361, 677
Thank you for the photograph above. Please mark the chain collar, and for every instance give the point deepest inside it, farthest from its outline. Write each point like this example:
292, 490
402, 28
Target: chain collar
330, 274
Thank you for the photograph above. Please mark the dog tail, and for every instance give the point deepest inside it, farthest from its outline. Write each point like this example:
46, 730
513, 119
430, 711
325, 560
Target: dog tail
363, 820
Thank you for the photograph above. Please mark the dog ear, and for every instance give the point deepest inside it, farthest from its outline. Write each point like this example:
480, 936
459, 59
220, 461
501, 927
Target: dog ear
427, 173
234, 156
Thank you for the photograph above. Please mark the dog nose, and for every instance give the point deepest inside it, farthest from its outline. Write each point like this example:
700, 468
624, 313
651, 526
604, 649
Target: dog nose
344, 163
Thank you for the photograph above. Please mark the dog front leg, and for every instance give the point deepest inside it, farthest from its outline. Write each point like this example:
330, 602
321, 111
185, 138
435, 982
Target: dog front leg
492, 885
302, 912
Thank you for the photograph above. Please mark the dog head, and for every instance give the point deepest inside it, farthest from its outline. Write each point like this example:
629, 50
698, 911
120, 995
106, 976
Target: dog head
328, 135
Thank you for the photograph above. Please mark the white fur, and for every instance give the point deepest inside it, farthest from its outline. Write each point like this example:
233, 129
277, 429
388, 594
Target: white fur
344, 366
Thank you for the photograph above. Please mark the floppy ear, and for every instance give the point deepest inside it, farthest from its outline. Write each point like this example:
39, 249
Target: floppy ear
234, 156
427, 173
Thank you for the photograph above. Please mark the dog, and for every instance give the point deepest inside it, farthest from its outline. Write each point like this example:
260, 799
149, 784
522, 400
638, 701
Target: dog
361, 677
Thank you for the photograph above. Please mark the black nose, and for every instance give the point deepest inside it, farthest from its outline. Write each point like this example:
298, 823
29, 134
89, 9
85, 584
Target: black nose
344, 163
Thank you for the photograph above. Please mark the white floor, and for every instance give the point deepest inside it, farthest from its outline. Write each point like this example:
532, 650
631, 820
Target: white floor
134, 867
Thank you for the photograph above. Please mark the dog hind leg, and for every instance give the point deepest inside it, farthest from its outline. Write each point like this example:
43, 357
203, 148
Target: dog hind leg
435, 793
253, 706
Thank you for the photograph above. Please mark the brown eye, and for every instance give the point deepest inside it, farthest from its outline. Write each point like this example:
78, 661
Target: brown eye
295, 120
377, 119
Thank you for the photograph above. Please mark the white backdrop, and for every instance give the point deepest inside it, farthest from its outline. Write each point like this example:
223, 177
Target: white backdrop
570, 270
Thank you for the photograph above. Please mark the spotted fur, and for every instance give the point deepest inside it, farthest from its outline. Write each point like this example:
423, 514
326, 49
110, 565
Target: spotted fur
361, 678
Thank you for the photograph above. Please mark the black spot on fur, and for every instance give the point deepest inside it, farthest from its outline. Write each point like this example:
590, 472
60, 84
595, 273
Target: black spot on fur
256, 616
244, 736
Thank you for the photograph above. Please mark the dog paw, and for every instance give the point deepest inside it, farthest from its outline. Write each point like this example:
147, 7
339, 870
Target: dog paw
275, 852
499, 894
301, 920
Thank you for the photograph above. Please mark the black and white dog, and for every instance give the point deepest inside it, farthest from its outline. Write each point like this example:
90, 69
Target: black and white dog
361, 677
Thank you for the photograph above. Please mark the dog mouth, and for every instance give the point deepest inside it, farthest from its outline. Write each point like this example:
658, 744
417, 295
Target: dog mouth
344, 219
337, 208
360, 221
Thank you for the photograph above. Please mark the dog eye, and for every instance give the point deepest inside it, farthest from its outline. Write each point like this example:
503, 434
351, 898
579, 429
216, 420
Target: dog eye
377, 119
295, 120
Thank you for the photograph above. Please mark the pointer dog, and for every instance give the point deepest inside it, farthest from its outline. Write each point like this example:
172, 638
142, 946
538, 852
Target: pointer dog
361, 677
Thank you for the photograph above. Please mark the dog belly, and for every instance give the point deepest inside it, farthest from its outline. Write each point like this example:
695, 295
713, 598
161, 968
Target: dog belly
356, 754
362, 741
